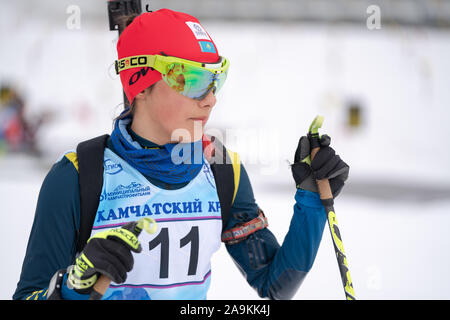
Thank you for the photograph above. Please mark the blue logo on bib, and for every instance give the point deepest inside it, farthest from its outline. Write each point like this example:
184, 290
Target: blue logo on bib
111, 167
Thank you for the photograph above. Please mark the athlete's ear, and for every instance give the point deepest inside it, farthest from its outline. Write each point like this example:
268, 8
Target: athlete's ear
144, 93
141, 95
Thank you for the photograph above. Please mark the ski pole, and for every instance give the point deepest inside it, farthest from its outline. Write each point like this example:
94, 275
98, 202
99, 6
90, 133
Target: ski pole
103, 282
327, 199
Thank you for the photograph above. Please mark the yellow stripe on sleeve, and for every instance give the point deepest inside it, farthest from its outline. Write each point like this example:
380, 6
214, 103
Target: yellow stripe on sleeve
236, 162
29, 297
35, 295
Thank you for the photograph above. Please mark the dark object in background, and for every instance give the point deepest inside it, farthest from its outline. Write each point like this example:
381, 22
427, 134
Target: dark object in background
17, 133
118, 10
354, 115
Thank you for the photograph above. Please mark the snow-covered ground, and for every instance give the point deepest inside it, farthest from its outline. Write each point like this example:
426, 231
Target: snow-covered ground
281, 77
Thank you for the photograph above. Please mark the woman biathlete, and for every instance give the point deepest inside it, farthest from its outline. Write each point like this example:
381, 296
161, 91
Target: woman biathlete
156, 164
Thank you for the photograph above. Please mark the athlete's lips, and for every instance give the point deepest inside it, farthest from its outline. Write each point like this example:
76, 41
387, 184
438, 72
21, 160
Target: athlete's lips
202, 119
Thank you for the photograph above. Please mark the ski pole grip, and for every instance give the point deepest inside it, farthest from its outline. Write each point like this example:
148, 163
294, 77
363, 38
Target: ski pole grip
313, 136
100, 288
323, 185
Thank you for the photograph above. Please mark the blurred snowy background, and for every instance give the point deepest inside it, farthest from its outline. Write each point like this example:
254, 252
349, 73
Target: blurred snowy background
382, 86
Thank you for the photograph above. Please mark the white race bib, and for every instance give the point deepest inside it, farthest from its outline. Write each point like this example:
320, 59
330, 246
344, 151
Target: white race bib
175, 260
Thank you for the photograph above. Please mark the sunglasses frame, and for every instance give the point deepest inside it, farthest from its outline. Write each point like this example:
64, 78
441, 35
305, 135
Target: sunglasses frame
160, 63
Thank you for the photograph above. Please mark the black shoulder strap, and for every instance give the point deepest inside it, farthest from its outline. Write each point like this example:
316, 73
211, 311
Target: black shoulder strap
223, 172
90, 178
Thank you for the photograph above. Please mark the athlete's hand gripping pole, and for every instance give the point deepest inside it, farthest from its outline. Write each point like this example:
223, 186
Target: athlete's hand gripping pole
326, 196
102, 284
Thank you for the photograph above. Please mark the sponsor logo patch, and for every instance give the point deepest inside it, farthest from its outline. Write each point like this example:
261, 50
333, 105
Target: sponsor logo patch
198, 30
112, 167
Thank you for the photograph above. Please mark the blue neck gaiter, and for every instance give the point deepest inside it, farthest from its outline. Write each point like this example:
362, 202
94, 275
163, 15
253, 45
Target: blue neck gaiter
171, 163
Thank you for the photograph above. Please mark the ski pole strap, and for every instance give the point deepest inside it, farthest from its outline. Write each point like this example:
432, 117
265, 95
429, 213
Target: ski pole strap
241, 232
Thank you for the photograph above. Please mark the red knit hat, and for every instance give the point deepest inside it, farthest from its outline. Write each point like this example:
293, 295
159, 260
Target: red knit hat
164, 32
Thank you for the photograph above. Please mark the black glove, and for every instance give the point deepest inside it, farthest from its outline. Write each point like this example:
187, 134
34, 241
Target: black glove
108, 253
326, 165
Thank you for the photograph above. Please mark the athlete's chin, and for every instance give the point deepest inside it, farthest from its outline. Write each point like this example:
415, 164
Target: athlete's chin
190, 133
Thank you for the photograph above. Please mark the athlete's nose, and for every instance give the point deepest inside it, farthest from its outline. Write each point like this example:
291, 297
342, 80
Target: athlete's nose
209, 100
